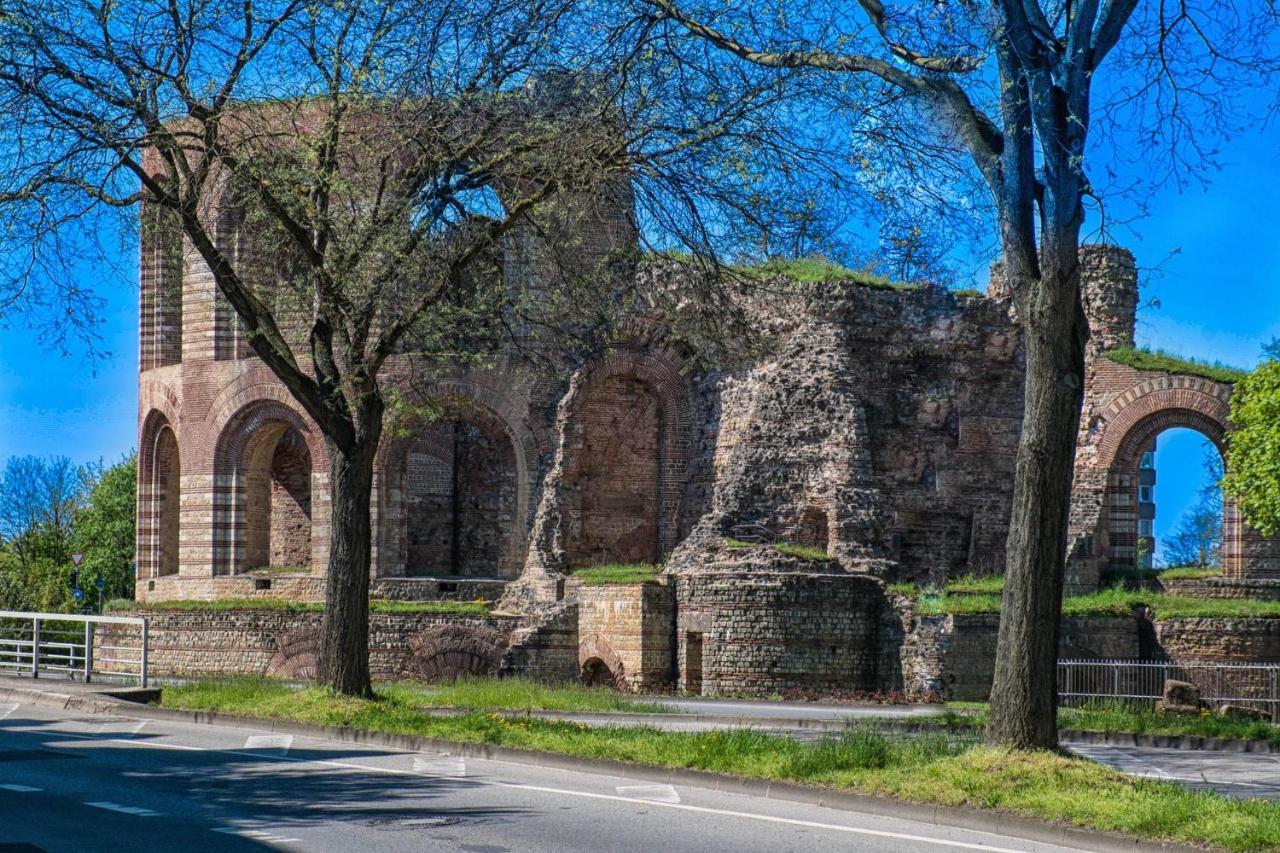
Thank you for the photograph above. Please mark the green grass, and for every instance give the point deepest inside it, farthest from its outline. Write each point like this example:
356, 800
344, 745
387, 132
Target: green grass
519, 694
1103, 716
618, 573
968, 293
1190, 573
459, 608
280, 570
1144, 359
943, 769
803, 552
808, 270
983, 595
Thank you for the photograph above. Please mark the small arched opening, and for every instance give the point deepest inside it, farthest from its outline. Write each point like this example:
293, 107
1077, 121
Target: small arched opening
277, 499
596, 673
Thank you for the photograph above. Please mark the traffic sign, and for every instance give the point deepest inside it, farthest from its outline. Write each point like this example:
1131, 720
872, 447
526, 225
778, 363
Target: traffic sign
77, 558
78, 593
101, 584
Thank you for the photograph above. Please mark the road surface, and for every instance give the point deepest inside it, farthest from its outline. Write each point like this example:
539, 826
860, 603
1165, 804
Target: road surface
73, 782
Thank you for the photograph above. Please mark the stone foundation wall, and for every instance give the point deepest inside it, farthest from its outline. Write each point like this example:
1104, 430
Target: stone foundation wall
277, 643
1255, 589
546, 650
755, 633
953, 656
1239, 640
629, 628
311, 588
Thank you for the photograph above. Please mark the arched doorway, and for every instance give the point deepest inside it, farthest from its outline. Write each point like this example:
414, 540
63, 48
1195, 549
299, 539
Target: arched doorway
277, 500
615, 474
458, 489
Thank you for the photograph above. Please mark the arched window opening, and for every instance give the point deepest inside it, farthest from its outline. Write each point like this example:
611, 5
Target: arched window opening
166, 498
161, 292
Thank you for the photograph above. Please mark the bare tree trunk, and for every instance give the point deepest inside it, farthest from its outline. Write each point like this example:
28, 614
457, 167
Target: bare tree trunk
344, 641
1024, 691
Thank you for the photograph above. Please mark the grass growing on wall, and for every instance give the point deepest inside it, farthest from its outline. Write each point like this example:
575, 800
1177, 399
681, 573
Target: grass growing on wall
942, 769
1145, 359
1190, 573
458, 608
618, 573
803, 552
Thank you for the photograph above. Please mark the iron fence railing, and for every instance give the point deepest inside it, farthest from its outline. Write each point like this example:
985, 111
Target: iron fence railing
1252, 685
72, 645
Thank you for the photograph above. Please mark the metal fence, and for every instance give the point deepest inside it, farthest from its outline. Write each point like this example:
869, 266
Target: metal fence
1253, 685
39, 644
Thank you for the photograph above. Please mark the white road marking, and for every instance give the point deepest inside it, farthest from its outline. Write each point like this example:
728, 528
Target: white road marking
280, 742
7, 708
117, 728
833, 827
442, 765
255, 834
116, 807
21, 789
656, 793
152, 744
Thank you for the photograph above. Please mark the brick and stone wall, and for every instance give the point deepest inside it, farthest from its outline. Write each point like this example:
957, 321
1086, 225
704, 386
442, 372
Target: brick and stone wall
628, 628
283, 644
764, 624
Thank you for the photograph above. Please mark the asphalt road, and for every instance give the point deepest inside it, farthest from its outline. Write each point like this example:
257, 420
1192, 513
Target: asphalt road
70, 782
1243, 775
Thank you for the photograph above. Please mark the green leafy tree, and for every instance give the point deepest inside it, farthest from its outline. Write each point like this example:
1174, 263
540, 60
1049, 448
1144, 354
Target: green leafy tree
105, 532
1253, 448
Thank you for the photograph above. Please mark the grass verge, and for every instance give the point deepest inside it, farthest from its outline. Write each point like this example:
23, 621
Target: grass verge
1118, 717
929, 769
377, 605
617, 573
803, 552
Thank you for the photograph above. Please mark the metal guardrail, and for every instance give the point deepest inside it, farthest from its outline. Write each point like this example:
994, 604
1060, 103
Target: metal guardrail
73, 645
1253, 685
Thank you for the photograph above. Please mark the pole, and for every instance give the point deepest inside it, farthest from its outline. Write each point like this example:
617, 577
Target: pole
35, 648
144, 652
88, 652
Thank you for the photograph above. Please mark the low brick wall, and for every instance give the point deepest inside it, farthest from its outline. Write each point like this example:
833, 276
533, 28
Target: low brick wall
311, 588
757, 633
628, 628
1250, 588
1240, 640
273, 642
954, 655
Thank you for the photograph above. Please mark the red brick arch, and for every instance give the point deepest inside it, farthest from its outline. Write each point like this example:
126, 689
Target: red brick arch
1159, 404
478, 406
661, 373
235, 448
594, 650
159, 496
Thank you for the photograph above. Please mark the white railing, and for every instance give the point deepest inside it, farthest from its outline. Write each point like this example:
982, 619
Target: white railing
37, 644
1254, 685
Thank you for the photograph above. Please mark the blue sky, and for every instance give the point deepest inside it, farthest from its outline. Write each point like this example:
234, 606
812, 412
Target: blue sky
1210, 258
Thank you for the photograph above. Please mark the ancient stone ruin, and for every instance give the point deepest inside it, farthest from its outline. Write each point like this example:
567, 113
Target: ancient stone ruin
872, 442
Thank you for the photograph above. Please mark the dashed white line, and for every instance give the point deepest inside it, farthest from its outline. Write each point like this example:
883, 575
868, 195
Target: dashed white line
280, 742
442, 765
255, 834
21, 789
137, 811
655, 793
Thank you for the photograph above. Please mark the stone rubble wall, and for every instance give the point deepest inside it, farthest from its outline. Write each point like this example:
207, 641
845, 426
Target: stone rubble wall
279, 643
628, 627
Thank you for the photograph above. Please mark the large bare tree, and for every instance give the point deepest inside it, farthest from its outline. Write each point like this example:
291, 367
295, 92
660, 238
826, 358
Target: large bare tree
375, 156
1016, 88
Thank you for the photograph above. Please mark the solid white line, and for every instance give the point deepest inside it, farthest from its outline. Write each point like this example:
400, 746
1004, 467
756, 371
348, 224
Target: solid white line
280, 742
7, 708
21, 789
116, 807
656, 793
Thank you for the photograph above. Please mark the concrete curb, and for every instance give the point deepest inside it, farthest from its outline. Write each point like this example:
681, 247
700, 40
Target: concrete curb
1188, 742
997, 822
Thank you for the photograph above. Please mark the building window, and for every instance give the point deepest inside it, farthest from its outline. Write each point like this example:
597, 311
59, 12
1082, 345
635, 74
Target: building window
1144, 495
1148, 461
1145, 527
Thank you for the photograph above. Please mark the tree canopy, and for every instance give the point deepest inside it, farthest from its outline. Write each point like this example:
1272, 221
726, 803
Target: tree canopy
1253, 448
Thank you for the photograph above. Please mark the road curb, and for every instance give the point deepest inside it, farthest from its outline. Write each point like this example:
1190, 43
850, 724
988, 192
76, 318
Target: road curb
996, 822
1188, 742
